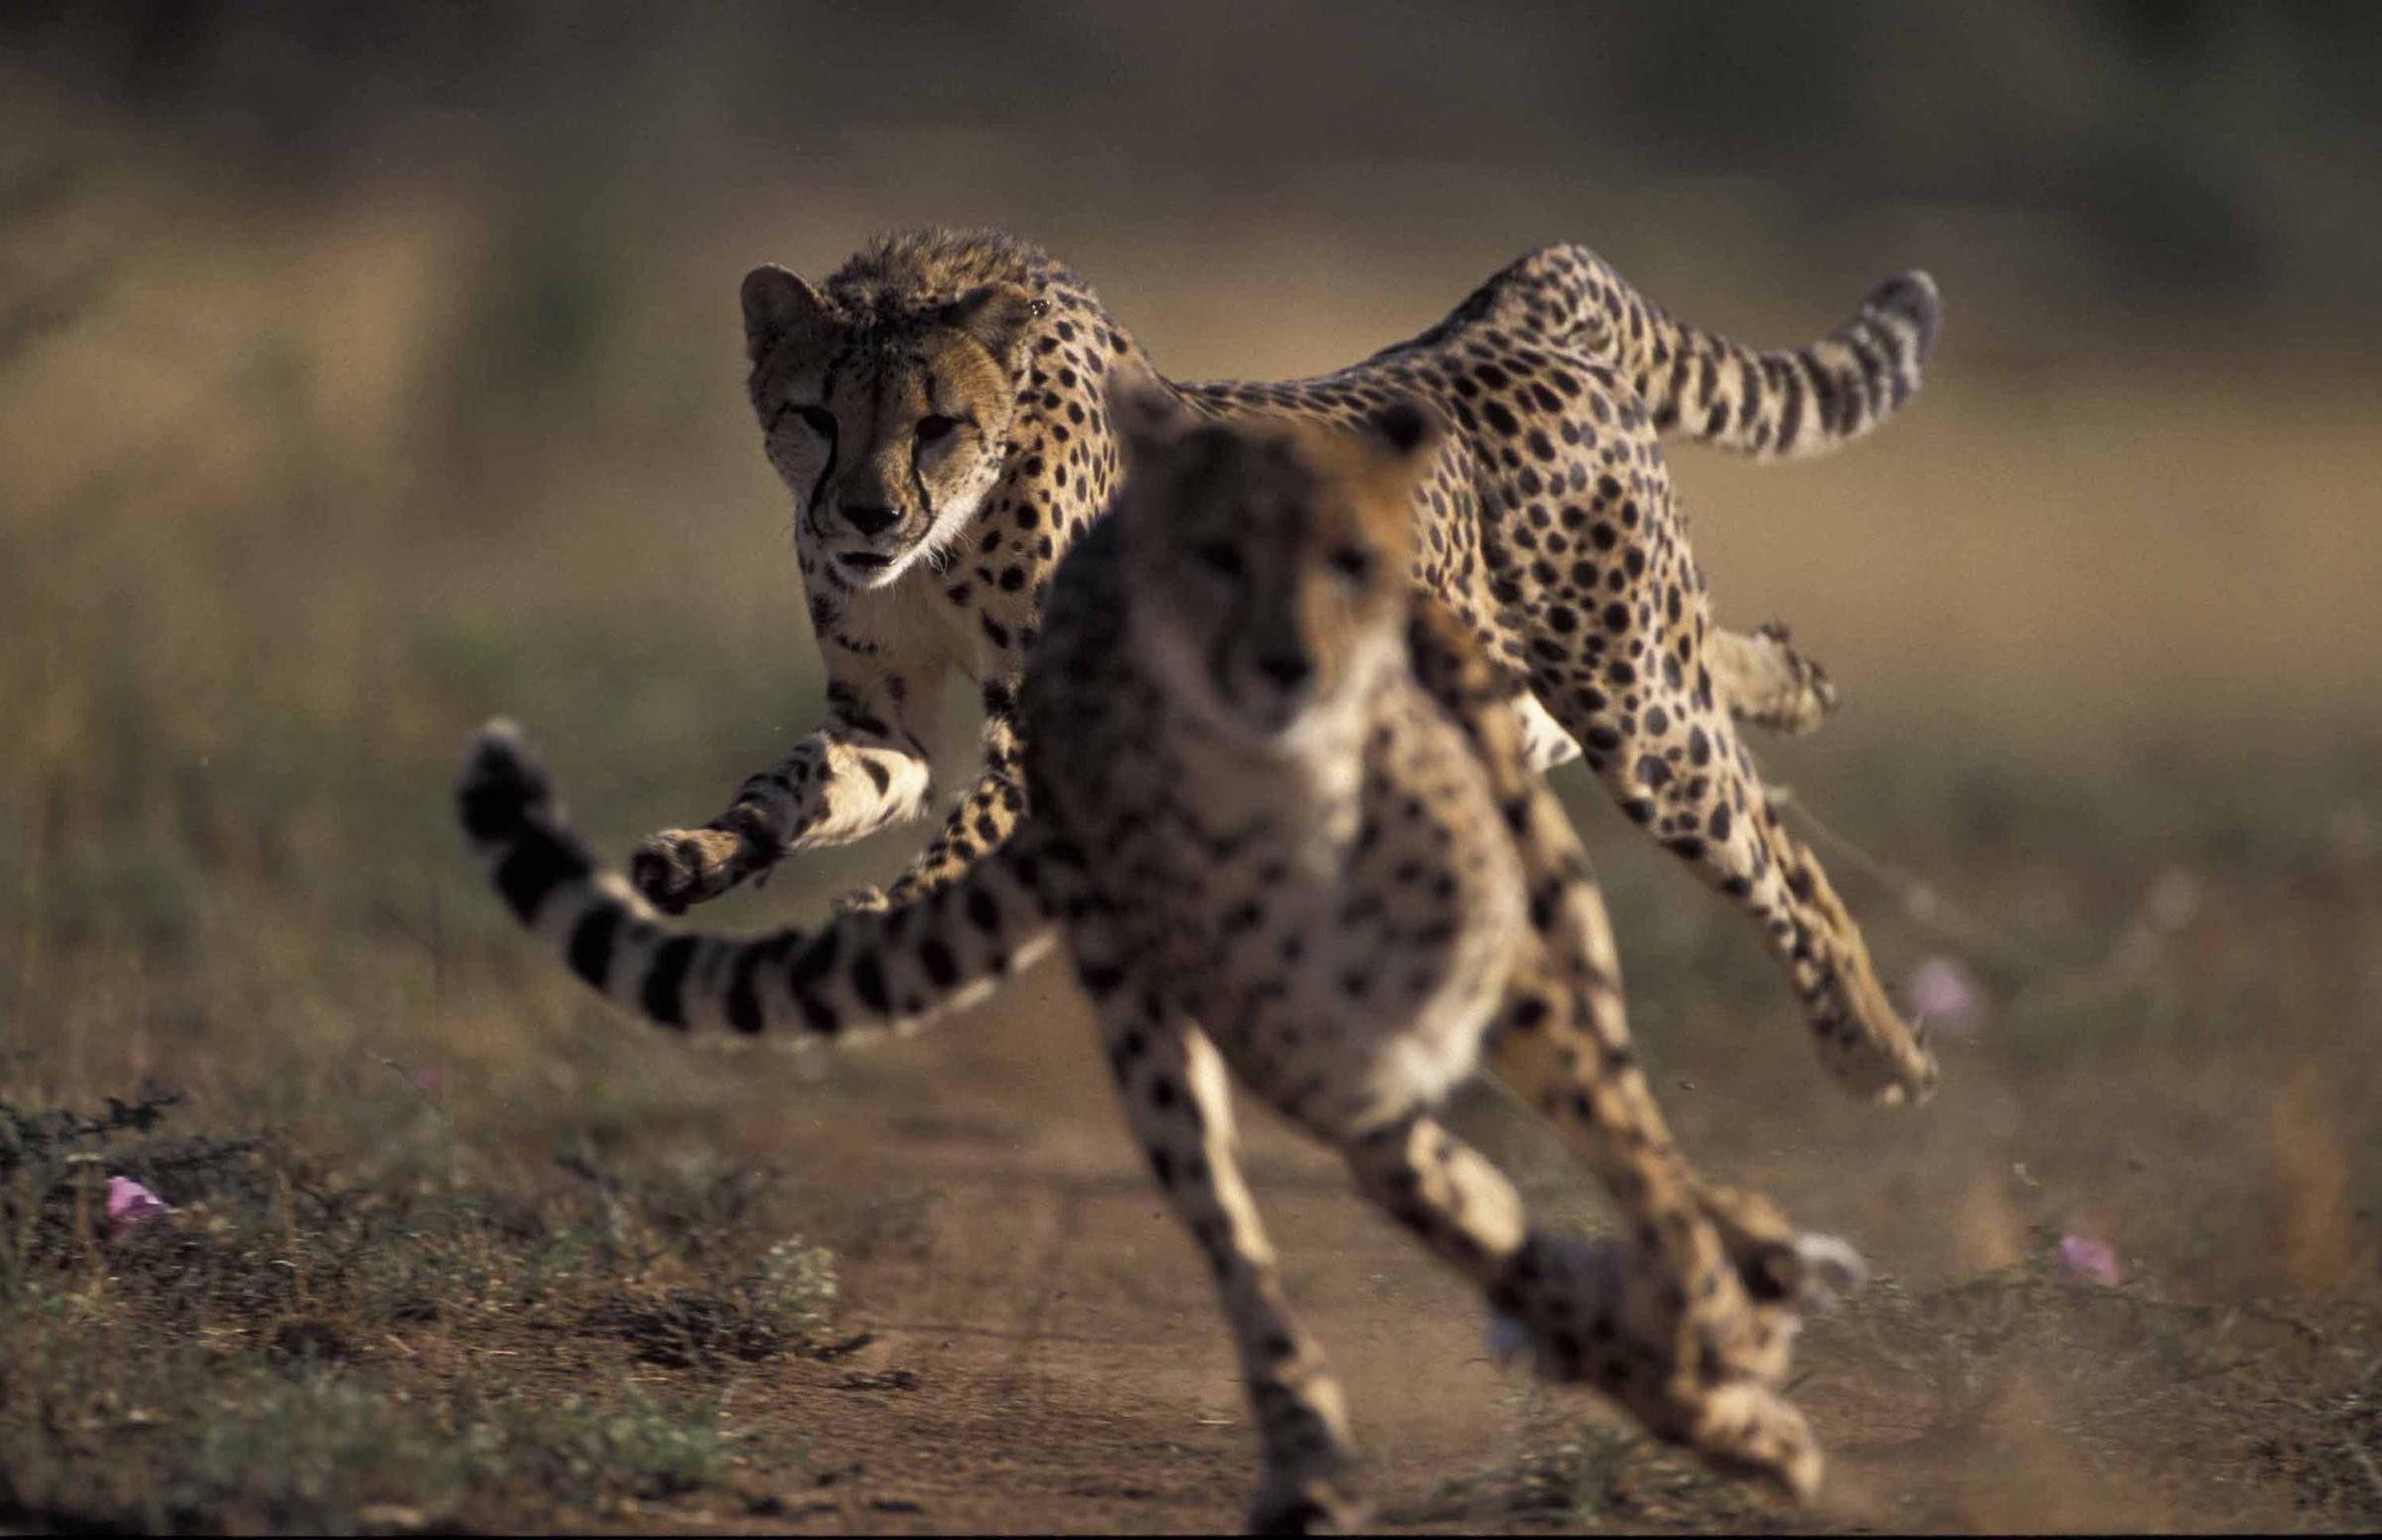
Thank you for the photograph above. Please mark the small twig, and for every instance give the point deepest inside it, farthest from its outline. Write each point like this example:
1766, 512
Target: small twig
435, 944
413, 1084
389, 912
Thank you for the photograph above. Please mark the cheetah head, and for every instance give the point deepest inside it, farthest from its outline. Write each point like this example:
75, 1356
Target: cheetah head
1268, 560
889, 428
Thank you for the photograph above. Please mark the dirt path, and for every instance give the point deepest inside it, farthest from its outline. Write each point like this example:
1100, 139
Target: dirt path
1044, 1354
1045, 1351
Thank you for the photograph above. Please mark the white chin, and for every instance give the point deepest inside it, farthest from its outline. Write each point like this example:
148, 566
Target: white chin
877, 576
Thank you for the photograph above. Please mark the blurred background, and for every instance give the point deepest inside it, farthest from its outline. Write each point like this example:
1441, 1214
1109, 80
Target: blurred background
366, 370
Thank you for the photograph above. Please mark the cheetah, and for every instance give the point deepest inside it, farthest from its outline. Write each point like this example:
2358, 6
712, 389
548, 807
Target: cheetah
937, 413
1280, 811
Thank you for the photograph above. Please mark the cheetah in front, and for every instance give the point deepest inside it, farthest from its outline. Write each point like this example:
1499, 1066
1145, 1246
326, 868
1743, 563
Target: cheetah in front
1282, 814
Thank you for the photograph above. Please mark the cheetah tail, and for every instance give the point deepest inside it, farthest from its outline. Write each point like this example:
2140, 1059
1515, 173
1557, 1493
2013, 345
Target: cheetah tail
1793, 402
866, 971
1771, 405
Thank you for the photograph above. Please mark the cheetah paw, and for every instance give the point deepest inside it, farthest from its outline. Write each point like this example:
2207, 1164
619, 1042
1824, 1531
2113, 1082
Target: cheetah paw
1829, 1270
679, 867
868, 898
1318, 1502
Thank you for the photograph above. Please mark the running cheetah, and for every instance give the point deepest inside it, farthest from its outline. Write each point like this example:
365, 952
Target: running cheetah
937, 413
1282, 814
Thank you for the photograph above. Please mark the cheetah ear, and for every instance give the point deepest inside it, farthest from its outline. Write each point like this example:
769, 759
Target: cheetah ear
1404, 434
995, 316
1145, 412
778, 305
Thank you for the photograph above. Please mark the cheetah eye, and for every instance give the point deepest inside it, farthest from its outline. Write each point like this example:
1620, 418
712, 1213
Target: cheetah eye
819, 420
933, 428
1219, 557
1353, 563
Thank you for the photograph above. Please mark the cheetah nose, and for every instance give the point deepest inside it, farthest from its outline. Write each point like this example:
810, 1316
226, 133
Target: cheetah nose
869, 521
1286, 669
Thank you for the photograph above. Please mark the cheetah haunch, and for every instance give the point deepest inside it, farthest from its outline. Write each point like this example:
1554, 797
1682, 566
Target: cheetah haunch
937, 413
1282, 814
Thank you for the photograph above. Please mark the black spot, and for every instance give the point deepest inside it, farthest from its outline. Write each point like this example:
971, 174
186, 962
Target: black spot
1402, 423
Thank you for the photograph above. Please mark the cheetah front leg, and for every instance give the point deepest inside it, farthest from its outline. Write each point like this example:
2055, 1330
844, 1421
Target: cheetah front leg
867, 765
1678, 768
1659, 732
1765, 679
981, 821
1699, 1365
1177, 1102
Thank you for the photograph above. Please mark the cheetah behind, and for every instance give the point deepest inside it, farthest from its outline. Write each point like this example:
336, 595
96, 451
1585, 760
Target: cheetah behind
937, 413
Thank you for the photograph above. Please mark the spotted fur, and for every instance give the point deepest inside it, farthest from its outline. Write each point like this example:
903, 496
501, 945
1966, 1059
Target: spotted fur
1545, 523
1284, 818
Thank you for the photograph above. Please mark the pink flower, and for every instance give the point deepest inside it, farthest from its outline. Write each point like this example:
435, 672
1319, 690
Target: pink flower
1944, 995
128, 1204
431, 1081
2089, 1260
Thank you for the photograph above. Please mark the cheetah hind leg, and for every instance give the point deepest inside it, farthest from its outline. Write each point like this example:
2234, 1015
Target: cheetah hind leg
1762, 677
1767, 680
